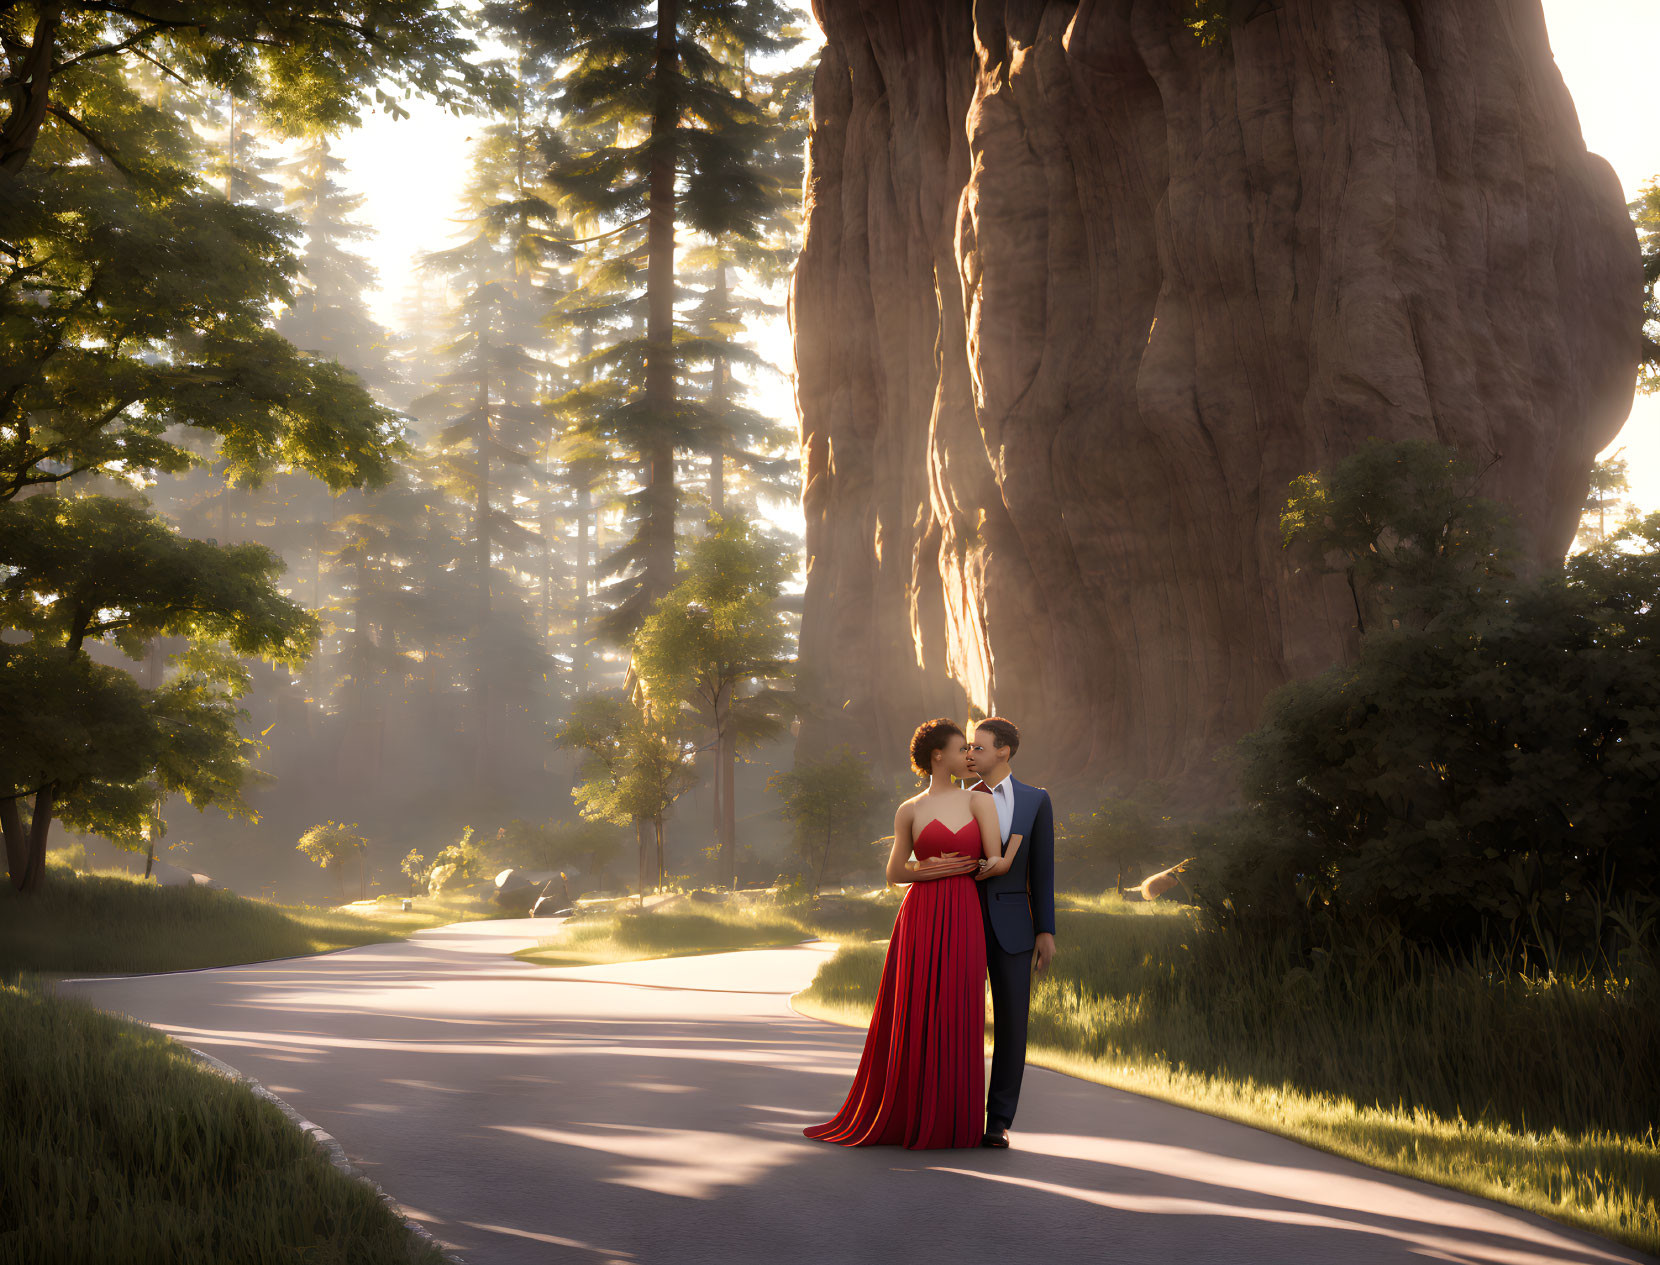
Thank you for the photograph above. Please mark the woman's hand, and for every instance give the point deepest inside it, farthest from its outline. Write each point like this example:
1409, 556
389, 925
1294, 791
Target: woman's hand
945, 865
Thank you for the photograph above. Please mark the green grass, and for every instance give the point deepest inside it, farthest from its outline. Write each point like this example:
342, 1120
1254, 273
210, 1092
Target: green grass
1535, 1092
109, 923
680, 926
116, 1145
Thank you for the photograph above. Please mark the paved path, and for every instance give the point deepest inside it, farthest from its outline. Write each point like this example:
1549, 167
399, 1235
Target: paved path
651, 1113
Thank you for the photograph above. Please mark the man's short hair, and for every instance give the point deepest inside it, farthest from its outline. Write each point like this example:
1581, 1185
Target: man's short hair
1005, 732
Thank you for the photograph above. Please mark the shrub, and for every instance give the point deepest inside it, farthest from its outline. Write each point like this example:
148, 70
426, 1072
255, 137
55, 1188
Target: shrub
1486, 775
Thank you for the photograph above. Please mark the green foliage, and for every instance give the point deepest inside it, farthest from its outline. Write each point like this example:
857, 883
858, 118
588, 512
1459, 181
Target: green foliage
486, 421
830, 804
308, 67
182, 315
1482, 778
122, 1098
84, 570
1401, 522
1610, 482
631, 936
1117, 843
136, 311
679, 926
1645, 213
636, 761
92, 735
662, 132
70, 856
119, 345
1208, 20
715, 645
414, 867
80, 568
461, 864
588, 847
332, 845
717, 636
327, 316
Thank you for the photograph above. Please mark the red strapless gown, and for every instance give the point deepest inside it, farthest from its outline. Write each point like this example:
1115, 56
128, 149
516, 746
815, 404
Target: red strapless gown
922, 1081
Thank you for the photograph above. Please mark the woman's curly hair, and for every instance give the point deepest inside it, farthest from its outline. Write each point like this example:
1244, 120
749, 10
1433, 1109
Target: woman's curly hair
931, 736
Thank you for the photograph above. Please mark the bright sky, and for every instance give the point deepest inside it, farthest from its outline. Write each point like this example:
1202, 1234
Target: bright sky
411, 172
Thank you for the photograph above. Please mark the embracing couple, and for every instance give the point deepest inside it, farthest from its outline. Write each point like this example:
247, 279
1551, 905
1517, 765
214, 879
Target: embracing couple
981, 898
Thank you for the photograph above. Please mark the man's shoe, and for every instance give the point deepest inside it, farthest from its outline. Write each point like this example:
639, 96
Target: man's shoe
996, 1136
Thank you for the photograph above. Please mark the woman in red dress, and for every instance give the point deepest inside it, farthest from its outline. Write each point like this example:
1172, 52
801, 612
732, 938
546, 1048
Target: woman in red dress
922, 1081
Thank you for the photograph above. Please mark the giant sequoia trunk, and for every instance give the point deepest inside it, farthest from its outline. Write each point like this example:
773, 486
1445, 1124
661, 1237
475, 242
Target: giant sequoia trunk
1081, 293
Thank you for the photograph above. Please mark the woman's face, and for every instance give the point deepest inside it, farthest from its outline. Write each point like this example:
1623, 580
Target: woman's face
953, 757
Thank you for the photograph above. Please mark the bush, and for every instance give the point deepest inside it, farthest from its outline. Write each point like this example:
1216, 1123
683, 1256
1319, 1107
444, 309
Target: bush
1486, 777
461, 864
1493, 778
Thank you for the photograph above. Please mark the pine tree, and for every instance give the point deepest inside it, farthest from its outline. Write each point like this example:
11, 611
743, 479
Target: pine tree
1610, 483
1645, 213
657, 137
242, 165
328, 316
490, 422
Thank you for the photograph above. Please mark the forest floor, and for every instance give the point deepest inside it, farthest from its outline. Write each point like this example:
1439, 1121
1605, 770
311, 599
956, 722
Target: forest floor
112, 922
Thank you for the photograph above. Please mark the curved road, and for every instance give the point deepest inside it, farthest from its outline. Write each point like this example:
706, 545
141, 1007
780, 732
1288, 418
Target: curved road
651, 1112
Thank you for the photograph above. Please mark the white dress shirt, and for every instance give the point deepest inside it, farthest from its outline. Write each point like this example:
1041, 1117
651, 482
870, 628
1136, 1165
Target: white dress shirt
1003, 796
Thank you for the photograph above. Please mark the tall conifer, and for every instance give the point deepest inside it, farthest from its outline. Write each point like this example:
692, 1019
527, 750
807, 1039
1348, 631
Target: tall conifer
659, 139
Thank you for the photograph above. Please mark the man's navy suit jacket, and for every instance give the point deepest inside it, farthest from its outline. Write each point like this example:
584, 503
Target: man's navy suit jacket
1021, 903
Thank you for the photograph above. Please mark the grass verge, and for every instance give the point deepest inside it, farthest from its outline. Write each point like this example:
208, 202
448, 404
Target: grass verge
99, 923
1536, 1093
118, 1146
680, 926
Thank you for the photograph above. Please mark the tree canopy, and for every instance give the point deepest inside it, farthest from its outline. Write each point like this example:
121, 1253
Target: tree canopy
309, 67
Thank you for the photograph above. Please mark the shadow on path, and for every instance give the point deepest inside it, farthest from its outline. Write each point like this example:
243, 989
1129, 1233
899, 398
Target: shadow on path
652, 1112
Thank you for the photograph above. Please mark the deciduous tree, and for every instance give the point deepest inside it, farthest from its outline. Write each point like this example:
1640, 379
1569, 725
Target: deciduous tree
332, 846
86, 570
716, 643
829, 802
638, 762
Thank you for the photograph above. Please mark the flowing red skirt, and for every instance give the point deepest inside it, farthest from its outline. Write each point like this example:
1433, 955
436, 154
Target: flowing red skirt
922, 1081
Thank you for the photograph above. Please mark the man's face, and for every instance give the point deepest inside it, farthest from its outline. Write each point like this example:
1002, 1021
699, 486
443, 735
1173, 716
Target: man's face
983, 752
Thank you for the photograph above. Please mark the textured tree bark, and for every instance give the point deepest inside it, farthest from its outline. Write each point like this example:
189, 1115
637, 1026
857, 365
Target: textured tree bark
1080, 295
28, 90
26, 847
17, 841
661, 501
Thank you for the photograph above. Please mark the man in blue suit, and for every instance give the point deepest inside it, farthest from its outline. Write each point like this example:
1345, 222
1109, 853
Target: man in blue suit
1019, 910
